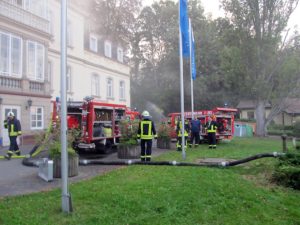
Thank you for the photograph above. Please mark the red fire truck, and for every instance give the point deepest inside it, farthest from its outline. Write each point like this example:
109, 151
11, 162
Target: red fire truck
132, 114
224, 118
97, 122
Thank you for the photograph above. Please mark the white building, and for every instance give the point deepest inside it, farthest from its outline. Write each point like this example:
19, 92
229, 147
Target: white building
95, 65
30, 63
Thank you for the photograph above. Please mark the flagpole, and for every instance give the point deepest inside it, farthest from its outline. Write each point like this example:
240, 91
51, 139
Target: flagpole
66, 198
191, 72
181, 88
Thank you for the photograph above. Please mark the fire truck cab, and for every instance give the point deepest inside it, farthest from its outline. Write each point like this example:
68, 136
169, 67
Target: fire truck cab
97, 122
132, 114
224, 119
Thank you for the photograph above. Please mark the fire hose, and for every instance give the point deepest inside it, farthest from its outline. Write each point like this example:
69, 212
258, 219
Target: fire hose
85, 162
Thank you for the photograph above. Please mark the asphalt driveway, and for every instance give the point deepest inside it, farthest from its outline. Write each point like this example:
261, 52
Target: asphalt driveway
17, 179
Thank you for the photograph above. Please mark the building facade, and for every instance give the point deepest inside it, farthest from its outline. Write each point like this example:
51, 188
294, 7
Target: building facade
24, 84
30, 63
288, 115
95, 65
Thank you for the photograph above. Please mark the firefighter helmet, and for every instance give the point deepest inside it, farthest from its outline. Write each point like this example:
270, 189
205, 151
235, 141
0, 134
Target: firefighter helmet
145, 114
10, 114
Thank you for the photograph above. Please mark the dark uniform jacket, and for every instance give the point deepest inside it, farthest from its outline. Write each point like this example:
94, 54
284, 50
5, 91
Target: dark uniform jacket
211, 126
13, 126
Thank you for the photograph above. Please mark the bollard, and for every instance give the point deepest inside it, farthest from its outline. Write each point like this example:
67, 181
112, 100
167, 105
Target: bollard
283, 137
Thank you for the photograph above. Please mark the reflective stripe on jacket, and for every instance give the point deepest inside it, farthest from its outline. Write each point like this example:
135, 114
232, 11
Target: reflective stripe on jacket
186, 129
14, 127
211, 127
146, 130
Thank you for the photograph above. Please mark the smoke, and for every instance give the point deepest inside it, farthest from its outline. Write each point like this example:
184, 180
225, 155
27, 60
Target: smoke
156, 112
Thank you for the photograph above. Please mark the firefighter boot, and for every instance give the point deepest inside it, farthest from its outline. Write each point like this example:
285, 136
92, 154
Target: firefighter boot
17, 152
8, 155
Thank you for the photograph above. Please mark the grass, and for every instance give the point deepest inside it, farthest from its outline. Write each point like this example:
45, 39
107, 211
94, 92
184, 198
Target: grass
171, 195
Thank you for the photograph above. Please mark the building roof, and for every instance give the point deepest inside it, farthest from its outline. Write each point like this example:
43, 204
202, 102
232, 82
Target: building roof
292, 105
249, 104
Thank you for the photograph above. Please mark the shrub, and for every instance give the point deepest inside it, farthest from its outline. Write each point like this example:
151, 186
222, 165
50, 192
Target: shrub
55, 150
296, 129
287, 171
280, 132
55, 145
280, 127
129, 131
164, 131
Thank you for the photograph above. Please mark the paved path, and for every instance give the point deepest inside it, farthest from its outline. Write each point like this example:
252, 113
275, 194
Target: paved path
17, 179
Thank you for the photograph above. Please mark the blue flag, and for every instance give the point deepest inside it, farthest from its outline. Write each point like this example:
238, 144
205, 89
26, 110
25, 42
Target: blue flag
194, 72
184, 27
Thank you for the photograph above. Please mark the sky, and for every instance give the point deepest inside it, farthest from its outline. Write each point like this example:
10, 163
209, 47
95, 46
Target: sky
212, 6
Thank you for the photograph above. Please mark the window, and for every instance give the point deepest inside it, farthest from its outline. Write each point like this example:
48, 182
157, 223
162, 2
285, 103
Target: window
18, 2
69, 34
107, 49
69, 79
122, 90
93, 43
35, 61
36, 118
10, 55
95, 85
120, 54
250, 115
38, 7
109, 87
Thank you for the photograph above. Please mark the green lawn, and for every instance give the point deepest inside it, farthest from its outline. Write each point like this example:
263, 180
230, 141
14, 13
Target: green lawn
171, 195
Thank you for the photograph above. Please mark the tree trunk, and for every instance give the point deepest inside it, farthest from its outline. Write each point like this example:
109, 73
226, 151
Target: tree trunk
260, 119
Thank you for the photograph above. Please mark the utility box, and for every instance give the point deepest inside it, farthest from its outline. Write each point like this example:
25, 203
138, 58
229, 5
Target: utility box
46, 169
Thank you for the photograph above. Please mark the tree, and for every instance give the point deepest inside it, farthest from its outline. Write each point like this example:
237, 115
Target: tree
115, 18
156, 48
261, 59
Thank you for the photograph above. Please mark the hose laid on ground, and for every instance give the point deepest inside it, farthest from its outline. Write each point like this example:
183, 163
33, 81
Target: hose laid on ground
258, 156
85, 162
30, 162
31, 153
36, 148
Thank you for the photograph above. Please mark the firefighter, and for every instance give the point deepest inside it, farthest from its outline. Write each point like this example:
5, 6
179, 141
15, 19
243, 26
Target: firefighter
211, 129
14, 130
146, 132
179, 135
195, 132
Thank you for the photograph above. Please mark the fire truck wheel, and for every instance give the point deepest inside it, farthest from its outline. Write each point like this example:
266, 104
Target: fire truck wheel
104, 149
